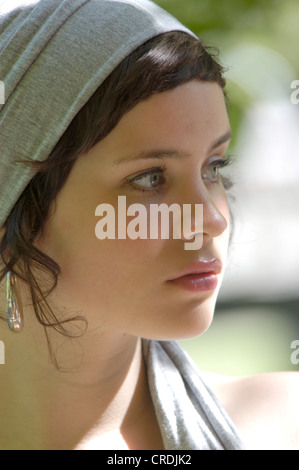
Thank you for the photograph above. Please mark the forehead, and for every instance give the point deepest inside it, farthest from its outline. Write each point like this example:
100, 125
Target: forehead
191, 113
188, 120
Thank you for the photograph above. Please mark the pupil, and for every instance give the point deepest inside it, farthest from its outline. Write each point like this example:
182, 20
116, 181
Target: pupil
154, 179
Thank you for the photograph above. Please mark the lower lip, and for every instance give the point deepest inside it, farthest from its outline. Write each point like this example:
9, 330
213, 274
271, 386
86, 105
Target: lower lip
197, 282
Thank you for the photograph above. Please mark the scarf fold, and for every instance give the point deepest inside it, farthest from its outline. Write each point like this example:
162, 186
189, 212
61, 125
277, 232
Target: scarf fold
54, 54
189, 415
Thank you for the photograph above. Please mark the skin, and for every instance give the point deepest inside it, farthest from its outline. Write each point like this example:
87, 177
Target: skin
119, 286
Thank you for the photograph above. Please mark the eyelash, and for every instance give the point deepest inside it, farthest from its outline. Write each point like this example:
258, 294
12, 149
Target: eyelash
162, 170
220, 163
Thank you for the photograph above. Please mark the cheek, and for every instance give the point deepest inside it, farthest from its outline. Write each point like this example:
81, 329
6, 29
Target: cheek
226, 235
224, 209
114, 270
222, 205
113, 281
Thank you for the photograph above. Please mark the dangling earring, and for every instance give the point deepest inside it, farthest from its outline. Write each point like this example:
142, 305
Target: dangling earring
14, 309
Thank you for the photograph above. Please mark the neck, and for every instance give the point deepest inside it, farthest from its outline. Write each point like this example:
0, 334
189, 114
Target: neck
98, 395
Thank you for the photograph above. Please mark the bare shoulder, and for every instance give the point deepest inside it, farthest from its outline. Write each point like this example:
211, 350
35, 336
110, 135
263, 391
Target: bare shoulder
264, 408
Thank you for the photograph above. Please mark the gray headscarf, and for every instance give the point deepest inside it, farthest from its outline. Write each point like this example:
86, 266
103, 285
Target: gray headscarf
54, 54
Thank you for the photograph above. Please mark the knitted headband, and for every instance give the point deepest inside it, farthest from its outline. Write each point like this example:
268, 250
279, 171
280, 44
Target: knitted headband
54, 54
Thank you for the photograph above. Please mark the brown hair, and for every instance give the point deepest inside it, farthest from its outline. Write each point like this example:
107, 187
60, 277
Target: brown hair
160, 64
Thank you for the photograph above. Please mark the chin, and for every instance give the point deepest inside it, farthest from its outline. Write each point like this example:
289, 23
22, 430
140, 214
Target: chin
185, 323
195, 326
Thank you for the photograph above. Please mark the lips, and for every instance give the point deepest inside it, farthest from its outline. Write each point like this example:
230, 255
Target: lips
211, 266
200, 276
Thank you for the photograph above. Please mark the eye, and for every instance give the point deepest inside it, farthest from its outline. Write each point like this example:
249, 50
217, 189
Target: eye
150, 181
212, 172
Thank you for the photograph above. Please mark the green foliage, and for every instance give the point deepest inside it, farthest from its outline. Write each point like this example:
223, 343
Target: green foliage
206, 15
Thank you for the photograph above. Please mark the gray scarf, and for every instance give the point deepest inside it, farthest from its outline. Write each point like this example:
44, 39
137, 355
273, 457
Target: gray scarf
189, 415
54, 54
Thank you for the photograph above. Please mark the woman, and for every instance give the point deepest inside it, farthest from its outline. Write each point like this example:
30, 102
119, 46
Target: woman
107, 99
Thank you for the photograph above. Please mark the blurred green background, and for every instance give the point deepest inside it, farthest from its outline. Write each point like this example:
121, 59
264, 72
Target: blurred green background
256, 318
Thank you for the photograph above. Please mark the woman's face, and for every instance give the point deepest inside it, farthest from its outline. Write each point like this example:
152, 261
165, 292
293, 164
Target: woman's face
123, 284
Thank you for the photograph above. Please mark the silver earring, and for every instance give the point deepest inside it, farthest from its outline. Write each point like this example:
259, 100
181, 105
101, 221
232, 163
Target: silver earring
14, 309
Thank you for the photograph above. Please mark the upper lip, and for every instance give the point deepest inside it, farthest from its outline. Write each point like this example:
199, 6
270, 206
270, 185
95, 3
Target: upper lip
213, 266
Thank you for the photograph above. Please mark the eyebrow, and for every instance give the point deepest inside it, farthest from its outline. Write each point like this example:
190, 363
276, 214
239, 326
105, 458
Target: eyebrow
159, 154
